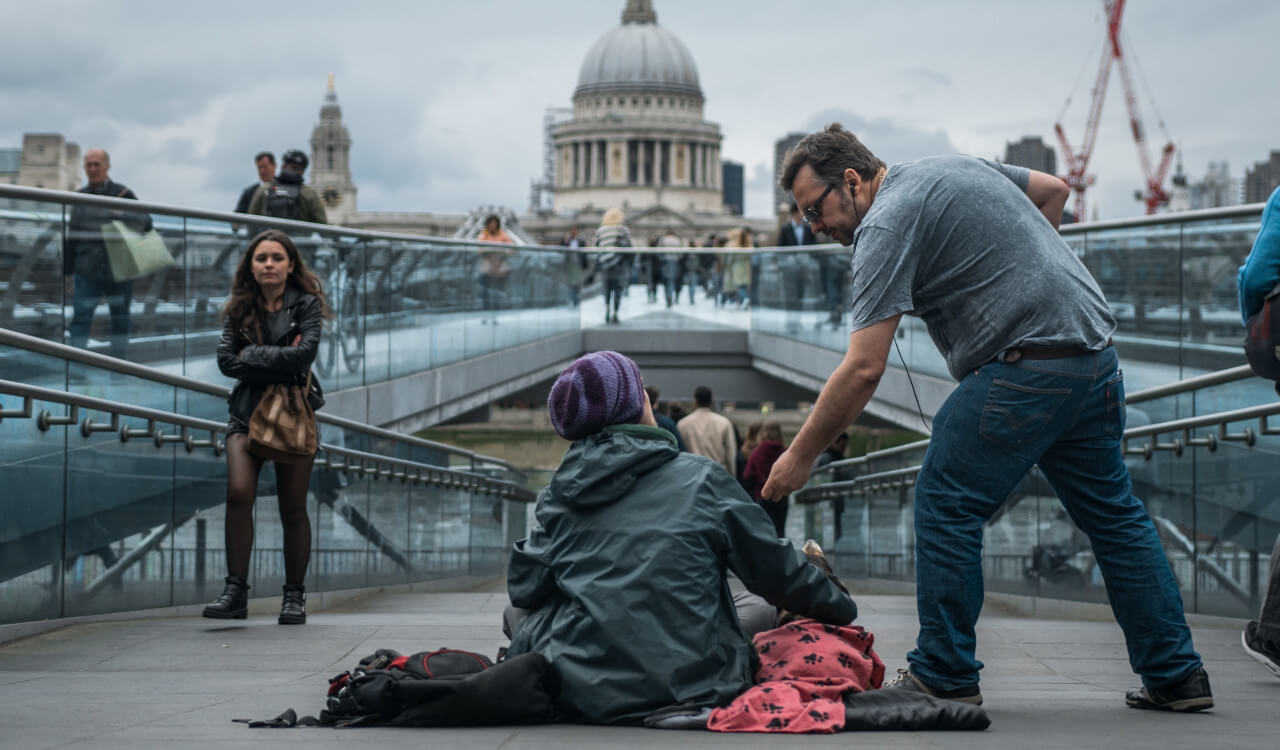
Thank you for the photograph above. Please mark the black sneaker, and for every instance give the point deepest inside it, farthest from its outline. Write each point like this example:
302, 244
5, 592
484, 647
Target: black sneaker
1192, 694
1263, 650
907, 681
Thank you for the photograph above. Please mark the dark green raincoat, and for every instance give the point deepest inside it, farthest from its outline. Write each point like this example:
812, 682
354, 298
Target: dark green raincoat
626, 571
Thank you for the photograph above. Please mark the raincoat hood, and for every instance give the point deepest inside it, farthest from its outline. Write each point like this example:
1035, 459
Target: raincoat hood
603, 467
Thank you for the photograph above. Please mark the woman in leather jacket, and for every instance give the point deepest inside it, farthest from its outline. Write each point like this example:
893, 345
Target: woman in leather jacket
270, 333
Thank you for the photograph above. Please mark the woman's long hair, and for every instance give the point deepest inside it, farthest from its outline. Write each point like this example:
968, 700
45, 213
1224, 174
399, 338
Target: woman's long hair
246, 306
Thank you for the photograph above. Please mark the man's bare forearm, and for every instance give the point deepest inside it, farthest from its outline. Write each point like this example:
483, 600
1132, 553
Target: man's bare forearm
843, 398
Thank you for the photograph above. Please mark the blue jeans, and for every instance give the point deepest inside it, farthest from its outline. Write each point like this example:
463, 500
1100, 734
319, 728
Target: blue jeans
1066, 416
88, 292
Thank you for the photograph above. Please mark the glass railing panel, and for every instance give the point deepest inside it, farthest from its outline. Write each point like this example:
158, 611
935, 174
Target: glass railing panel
126, 521
1230, 518
340, 516
851, 537
379, 263
213, 251
388, 531
1212, 252
199, 507
33, 469
347, 346
441, 525
411, 314
32, 285
891, 545
487, 526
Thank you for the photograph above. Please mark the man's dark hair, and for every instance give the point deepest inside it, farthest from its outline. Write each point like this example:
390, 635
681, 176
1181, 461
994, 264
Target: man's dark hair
702, 396
653, 395
265, 155
795, 207
830, 152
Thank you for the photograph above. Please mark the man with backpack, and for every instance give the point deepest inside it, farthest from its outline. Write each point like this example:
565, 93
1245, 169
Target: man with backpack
1259, 276
285, 197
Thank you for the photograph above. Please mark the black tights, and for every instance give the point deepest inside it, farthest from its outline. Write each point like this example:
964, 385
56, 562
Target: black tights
291, 490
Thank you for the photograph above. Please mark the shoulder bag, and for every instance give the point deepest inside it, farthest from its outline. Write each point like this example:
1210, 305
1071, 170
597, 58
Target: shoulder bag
283, 426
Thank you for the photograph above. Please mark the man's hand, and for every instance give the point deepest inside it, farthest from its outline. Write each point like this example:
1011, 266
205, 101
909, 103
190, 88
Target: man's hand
787, 475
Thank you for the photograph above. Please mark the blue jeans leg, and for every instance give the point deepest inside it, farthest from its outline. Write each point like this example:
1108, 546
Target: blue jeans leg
1067, 415
961, 484
1087, 470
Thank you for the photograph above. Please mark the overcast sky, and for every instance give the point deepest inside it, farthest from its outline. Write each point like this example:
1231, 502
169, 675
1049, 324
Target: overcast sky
444, 100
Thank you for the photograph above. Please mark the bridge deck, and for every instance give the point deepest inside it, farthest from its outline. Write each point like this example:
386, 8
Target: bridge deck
177, 682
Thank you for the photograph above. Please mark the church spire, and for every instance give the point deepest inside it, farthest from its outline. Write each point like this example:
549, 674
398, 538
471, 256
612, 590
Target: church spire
639, 11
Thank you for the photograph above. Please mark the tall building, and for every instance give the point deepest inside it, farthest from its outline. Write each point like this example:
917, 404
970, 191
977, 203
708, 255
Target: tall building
1217, 189
46, 160
1032, 153
780, 148
330, 161
1261, 179
731, 178
637, 139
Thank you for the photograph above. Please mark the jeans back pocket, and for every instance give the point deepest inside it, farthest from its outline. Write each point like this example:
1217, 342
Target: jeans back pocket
1015, 415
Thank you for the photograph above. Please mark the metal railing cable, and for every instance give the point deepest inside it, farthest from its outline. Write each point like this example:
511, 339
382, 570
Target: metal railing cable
359, 463
92, 359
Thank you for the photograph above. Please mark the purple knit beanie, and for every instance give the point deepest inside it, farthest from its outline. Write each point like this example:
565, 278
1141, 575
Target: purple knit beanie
596, 391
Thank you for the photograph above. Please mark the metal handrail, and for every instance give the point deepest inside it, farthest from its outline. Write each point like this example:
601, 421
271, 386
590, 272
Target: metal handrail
906, 476
873, 456
102, 361
368, 463
1179, 217
303, 228
289, 226
1229, 375
1220, 377
45, 195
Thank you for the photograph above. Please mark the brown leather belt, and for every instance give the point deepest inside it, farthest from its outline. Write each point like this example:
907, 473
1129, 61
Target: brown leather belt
1035, 351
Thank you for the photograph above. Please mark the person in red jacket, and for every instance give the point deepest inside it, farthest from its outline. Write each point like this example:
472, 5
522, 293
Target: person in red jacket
759, 464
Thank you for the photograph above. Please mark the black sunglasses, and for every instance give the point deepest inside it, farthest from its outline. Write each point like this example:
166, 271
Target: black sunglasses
814, 213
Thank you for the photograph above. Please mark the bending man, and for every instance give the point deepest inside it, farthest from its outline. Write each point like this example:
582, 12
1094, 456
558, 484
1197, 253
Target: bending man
971, 247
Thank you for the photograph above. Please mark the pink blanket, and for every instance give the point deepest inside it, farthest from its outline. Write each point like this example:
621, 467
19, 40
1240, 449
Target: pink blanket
805, 669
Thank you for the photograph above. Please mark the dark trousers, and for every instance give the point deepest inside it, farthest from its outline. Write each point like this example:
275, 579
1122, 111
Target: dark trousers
778, 514
89, 291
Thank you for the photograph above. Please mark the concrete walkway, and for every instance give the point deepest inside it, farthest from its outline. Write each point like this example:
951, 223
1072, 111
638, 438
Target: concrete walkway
178, 682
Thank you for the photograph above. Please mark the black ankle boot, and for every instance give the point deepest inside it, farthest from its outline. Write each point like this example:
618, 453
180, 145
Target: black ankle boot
232, 603
293, 607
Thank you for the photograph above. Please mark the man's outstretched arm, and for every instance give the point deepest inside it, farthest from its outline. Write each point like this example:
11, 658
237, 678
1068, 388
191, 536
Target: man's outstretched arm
843, 398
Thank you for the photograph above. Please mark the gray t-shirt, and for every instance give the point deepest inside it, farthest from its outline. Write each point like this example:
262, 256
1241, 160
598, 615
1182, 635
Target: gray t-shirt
955, 241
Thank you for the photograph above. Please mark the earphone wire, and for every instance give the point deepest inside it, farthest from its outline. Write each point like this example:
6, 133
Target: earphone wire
928, 428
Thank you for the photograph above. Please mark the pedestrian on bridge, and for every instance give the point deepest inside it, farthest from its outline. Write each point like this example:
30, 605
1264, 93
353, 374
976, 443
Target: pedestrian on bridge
1258, 276
971, 247
271, 329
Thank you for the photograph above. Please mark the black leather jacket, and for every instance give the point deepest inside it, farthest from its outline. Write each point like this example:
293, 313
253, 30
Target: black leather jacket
256, 366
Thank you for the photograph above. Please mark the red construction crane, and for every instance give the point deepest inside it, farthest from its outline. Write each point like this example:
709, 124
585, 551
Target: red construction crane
1077, 163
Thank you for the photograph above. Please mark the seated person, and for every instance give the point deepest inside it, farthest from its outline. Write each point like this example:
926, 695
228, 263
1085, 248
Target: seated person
625, 573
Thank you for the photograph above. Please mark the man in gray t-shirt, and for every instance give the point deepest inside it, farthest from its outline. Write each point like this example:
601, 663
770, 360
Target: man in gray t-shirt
971, 247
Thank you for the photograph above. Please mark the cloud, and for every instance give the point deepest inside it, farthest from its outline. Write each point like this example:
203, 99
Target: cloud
890, 140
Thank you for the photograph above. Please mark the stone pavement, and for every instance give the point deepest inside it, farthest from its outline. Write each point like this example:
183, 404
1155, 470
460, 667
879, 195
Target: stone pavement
178, 682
